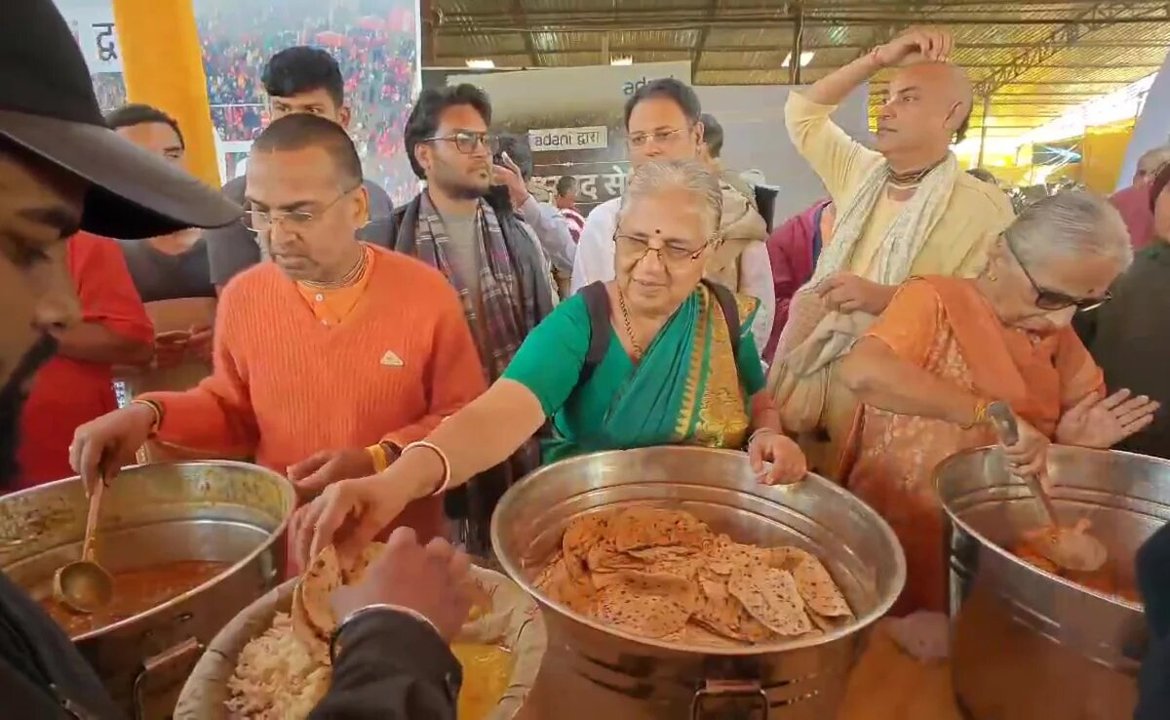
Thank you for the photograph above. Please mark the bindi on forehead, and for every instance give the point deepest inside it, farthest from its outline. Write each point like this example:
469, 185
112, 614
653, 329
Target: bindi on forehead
657, 231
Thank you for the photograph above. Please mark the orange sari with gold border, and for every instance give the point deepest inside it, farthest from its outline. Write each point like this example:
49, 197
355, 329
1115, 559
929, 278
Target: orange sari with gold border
945, 326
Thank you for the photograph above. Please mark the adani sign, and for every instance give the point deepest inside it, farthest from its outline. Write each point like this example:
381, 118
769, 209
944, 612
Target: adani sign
632, 86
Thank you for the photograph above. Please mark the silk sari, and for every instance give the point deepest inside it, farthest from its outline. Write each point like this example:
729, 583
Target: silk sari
945, 326
688, 388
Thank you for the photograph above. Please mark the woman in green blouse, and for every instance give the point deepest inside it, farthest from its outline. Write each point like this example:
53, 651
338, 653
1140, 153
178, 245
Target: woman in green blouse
656, 357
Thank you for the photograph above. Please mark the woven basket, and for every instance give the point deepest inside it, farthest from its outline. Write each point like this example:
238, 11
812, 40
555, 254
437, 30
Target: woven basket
514, 623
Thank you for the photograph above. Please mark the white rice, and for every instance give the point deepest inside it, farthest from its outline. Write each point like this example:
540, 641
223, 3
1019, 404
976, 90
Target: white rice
276, 677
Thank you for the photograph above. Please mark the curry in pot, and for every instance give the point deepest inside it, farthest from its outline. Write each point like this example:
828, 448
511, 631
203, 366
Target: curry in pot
135, 592
1108, 580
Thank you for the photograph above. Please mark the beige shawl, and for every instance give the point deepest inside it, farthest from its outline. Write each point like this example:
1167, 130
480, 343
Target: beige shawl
814, 337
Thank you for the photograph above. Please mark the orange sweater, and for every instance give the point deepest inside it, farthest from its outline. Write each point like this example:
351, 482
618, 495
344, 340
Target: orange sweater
286, 386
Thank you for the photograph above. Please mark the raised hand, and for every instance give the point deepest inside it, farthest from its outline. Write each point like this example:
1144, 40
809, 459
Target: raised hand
1102, 422
915, 45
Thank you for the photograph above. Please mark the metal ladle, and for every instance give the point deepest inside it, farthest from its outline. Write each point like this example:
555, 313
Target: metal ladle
1071, 548
83, 585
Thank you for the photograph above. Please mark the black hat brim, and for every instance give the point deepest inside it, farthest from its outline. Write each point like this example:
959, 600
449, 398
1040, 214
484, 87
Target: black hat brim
133, 193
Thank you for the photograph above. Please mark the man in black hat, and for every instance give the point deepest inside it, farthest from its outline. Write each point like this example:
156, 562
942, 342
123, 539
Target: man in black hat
62, 170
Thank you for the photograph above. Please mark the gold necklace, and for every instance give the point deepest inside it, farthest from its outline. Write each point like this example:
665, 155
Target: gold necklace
629, 326
348, 279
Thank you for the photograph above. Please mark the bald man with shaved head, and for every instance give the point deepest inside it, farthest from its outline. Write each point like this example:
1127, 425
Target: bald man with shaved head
904, 209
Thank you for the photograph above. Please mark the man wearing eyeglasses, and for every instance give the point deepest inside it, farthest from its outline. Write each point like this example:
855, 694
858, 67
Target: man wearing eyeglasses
663, 123
297, 80
328, 360
467, 229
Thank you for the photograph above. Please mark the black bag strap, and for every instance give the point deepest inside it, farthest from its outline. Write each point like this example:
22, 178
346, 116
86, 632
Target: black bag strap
597, 303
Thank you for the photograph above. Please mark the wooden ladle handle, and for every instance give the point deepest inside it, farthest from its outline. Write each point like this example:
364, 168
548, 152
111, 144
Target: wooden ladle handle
1009, 433
91, 521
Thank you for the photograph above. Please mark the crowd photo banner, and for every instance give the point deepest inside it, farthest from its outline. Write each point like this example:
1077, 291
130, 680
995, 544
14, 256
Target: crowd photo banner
575, 123
376, 43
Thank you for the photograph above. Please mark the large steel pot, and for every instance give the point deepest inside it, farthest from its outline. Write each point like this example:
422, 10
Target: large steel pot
1029, 644
153, 514
611, 674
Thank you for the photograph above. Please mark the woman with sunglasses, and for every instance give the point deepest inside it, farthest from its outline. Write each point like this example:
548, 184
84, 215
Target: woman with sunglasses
946, 348
655, 357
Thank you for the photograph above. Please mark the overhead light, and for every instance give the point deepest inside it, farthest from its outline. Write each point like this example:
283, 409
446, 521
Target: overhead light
622, 61
805, 58
482, 64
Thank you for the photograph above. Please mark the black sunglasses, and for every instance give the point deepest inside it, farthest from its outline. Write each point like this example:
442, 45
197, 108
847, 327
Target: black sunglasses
1053, 300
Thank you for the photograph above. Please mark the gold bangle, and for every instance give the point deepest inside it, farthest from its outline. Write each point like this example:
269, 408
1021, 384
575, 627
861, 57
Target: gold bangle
981, 414
158, 413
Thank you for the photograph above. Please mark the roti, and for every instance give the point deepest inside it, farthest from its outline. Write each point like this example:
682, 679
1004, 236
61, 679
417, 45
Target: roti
666, 575
647, 615
817, 589
644, 527
771, 597
312, 614
352, 569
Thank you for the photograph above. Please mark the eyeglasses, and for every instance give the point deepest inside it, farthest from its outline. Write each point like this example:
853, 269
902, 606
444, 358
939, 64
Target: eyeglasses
261, 221
467, 142
660, 137
669, 253
1053, 300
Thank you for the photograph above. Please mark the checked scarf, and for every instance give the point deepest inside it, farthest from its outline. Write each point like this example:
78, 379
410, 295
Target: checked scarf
499, 320
501, 329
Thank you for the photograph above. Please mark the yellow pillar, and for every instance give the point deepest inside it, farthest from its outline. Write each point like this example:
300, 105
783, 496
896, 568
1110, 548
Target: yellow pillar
162, 64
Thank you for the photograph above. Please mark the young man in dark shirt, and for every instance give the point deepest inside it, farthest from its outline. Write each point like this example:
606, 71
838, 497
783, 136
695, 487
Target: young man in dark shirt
62, 170
173, 265
297, 80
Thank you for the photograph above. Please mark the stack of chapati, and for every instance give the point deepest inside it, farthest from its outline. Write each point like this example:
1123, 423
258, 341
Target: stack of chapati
663, 574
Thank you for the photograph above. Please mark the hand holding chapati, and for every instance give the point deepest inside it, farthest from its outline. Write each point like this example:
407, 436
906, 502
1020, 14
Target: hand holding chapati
348, 514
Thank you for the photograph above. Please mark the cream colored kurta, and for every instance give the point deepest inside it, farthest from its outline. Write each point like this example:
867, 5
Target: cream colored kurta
957, 245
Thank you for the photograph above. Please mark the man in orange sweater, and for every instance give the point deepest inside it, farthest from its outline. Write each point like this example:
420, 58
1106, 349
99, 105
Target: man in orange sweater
337, 351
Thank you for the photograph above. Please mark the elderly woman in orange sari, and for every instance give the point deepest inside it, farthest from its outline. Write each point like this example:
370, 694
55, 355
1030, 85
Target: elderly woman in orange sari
946, 348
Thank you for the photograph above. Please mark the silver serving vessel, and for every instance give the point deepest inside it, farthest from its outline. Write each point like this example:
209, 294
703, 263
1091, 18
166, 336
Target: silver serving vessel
611, 674
1029, 644
153, 514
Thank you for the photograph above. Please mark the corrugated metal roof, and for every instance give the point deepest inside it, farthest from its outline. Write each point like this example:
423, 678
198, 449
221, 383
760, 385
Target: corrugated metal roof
1042, 56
